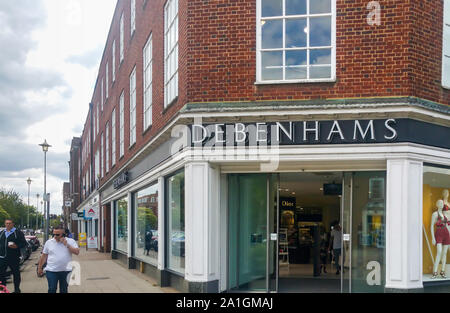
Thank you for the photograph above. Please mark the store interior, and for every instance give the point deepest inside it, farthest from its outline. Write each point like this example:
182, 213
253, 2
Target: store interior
309, 206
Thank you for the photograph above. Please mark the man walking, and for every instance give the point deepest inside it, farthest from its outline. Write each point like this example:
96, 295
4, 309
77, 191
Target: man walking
57, 253
335, 243
11, 241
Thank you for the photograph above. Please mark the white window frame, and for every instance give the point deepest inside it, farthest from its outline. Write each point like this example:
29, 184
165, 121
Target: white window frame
170, 83
148, 83
446, 46
121, 40
97, 168
107, 80
94, 123
121, 125
113, 65
97, 117
259, 50
102, 94
113, 137
102, 155
133, 107
107, 147
133, 16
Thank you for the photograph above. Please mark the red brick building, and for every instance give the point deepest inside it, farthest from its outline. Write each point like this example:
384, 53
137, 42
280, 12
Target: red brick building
224, 107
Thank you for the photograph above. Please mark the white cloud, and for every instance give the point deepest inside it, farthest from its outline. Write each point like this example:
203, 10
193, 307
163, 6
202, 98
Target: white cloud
47, 93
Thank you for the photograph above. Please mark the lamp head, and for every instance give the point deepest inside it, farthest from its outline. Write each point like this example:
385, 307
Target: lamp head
45, 146
29, 181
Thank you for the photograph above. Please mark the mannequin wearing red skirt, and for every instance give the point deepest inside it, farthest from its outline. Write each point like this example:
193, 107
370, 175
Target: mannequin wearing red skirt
441, 237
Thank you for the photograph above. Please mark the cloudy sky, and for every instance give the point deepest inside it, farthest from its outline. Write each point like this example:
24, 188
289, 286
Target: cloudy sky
49, 56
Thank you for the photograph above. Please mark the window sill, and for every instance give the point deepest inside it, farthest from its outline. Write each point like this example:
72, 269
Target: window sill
302, 81
169, 105
147, 130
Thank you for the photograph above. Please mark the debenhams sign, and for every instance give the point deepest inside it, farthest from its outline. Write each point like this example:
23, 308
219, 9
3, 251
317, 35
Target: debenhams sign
295, 133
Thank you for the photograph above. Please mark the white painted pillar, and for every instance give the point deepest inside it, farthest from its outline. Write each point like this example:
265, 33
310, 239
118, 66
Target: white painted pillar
112, 230
129, 235
202, 190
161, 219
404, 224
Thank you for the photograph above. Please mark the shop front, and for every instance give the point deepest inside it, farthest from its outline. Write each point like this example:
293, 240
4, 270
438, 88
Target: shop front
288, 206
88, 223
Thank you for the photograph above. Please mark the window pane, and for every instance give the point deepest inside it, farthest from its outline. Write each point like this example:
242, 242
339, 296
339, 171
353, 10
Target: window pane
272, 34
435, 205
296, 73
272, 63
320, 72
122, 224
271, 8
369, 232
296, 57
320, 6
320, 34
296, 33
176, 237
320, 56
295, 7
146, 213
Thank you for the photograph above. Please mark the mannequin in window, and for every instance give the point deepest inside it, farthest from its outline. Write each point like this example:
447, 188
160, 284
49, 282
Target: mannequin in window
445, 199
441, 238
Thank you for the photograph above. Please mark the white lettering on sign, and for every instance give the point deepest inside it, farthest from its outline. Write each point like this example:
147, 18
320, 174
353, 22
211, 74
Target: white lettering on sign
374, 276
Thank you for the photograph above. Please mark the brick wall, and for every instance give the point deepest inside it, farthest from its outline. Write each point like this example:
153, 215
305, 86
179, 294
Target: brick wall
372, 61
217, 59
426, 50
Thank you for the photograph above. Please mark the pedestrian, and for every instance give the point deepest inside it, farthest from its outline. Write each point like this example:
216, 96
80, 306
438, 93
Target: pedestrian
68, 234
324, 253
11, 241
335, 243
57, 253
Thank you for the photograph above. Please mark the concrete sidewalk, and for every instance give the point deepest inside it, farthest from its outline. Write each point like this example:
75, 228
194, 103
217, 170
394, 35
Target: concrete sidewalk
99, 274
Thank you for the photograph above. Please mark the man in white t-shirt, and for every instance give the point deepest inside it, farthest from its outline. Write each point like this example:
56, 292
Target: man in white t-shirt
57, 253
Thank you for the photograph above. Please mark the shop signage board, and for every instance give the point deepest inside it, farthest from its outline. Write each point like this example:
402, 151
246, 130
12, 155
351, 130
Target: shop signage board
123, 179
92, 243
75, 217
92, 213
314, 132
82, 239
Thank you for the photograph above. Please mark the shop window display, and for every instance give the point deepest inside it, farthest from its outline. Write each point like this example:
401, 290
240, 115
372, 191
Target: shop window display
121, 231
175, 222
436, 220
146, 221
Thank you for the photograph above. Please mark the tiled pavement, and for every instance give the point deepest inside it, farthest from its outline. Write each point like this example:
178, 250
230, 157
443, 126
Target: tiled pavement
99, 274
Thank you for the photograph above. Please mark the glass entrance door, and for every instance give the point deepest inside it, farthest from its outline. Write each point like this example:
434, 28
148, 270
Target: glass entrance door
279, 232
252, 232
363, 224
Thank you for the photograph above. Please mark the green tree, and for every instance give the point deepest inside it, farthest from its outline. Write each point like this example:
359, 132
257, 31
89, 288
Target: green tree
3, 216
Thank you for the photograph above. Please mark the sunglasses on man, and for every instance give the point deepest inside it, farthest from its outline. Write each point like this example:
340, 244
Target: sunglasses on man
57, 235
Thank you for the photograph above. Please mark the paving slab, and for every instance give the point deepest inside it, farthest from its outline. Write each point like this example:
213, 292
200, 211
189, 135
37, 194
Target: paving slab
98, 274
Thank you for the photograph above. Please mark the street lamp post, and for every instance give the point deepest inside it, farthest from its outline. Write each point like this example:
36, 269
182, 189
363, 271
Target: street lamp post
43, 213
45, 147
28, 209
37, 211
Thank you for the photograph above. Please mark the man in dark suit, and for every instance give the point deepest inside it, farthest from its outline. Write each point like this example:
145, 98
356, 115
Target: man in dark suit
11, 241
